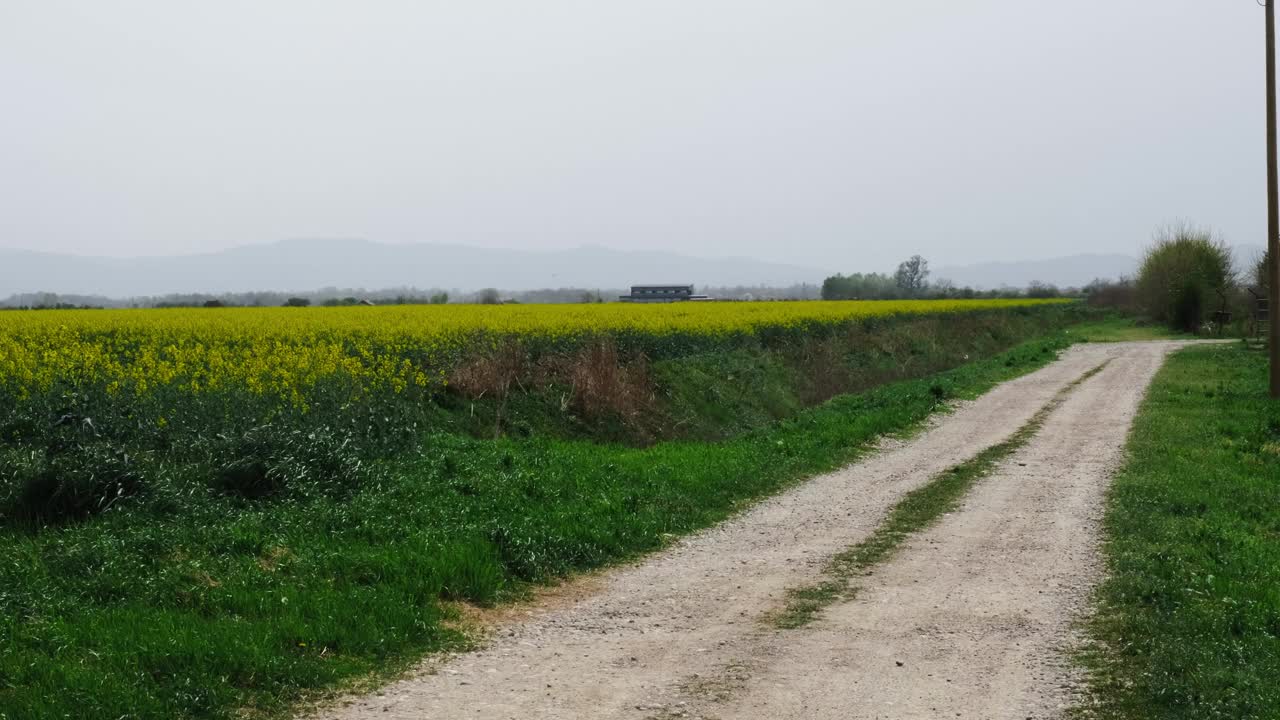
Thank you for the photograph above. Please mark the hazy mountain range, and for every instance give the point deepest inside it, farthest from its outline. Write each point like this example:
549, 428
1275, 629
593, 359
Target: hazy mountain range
308, 265
305, 265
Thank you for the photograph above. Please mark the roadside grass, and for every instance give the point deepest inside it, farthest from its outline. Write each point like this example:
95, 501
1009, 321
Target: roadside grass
1188, 620
1121, 328
213, 606
917, 511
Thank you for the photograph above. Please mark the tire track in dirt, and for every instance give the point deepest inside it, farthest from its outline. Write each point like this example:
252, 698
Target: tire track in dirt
974, 617
678, 634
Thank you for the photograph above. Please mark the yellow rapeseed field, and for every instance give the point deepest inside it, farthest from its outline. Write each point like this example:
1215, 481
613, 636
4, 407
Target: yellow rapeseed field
286, 351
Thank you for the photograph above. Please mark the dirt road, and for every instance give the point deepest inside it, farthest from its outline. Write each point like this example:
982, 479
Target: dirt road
968, 620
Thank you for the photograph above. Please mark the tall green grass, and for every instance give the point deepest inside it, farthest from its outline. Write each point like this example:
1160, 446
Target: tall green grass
1189, 618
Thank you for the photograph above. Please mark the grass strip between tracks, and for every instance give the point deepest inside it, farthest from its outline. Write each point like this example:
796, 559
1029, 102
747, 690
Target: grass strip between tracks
917, 511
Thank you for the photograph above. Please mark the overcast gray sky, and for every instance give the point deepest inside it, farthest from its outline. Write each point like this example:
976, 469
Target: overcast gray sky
842, 134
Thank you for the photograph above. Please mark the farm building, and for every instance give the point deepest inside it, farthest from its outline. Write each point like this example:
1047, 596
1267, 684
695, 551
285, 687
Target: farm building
661, 293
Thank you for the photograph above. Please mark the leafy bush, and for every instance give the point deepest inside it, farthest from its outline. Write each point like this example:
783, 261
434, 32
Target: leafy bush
1184, 276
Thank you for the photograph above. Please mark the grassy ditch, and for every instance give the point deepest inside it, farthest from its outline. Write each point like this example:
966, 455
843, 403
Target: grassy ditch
183, 602
1188, 624
917, 511
604, 394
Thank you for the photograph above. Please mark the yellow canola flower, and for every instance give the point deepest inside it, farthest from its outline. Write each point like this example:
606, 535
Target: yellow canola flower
287, 352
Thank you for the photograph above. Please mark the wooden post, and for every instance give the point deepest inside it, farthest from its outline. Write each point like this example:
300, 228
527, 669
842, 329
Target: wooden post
1273, 206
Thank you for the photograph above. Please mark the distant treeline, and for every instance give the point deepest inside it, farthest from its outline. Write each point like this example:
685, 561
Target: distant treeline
911, 281
876, 286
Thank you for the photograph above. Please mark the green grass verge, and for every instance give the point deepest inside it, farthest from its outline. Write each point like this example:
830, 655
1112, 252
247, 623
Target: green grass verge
220, 607
1188, 624
917, 511
1118, 328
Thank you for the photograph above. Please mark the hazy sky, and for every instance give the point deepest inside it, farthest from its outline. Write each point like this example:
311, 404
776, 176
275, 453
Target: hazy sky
842, 134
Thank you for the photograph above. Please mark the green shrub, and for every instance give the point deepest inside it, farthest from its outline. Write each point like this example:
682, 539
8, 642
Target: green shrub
1185, 276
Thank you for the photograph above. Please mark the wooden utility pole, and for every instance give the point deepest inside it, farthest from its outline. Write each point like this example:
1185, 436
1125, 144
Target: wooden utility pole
1273, 206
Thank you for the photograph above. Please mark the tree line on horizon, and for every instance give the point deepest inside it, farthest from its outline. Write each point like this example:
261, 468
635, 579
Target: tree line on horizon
911, 282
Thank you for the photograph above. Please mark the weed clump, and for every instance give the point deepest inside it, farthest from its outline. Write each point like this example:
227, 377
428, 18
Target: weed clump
60, 487
269, 462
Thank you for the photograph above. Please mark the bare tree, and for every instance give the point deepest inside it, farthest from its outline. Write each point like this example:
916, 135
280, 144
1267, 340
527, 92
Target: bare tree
912, 275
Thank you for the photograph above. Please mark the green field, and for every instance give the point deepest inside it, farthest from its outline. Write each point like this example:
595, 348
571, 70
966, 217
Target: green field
245, 567
1189, 618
